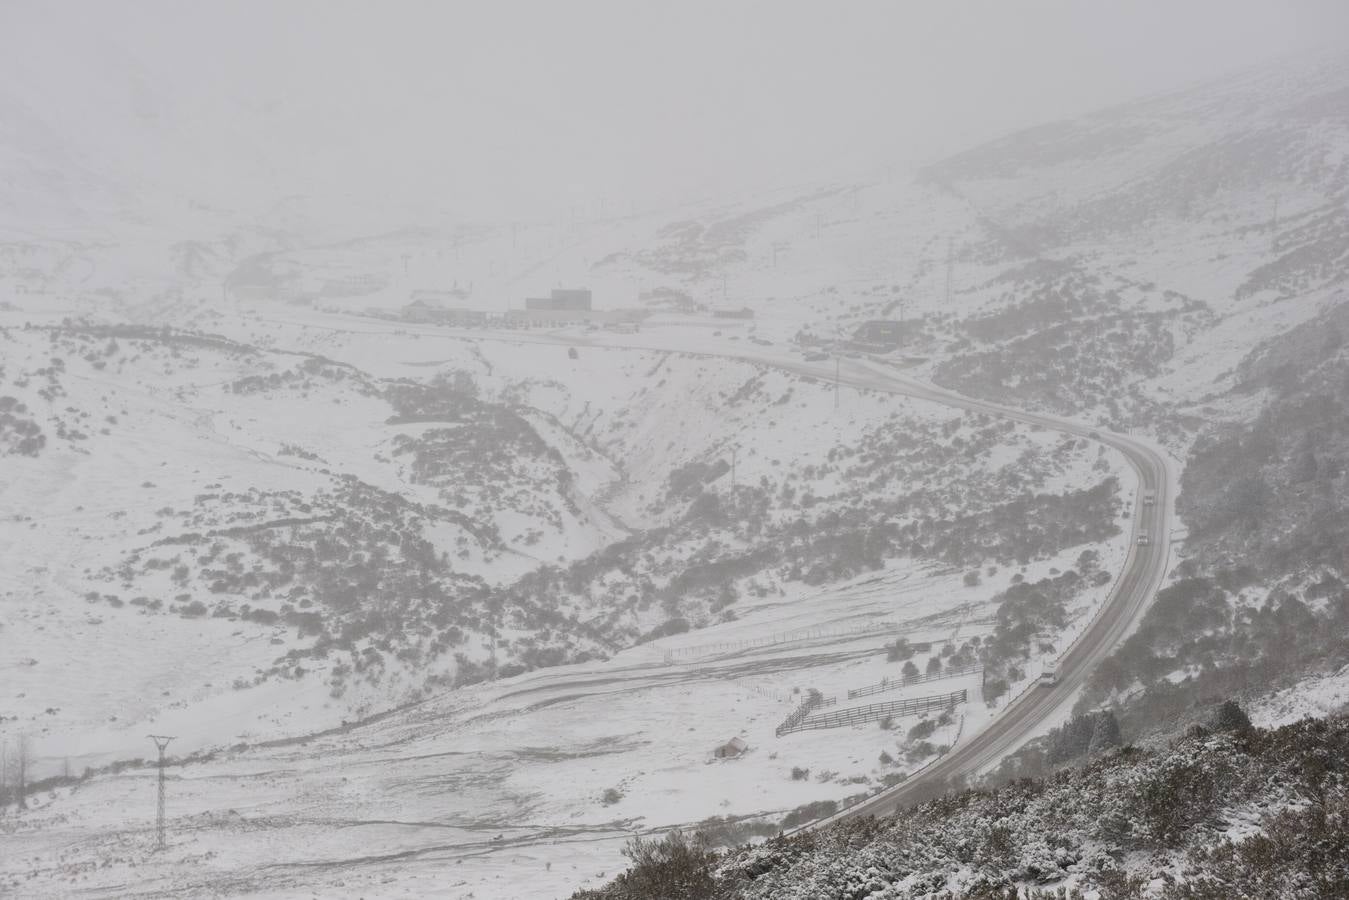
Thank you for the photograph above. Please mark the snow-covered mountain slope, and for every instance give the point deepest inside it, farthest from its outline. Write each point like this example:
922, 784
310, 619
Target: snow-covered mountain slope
328, 513
1160, 235
198, 493
1216, 212
1244, 813
283, 482
364, 526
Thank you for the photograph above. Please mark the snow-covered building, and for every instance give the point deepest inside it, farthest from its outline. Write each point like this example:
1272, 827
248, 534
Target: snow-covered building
440, 296
430, 310
880, 331
524, 318
743, 312
731, 749
571, 299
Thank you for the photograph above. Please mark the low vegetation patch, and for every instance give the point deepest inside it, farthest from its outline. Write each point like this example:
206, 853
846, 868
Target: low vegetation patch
1109, 829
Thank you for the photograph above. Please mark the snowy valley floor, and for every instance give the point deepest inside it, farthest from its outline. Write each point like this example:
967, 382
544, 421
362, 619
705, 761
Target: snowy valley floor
497, 791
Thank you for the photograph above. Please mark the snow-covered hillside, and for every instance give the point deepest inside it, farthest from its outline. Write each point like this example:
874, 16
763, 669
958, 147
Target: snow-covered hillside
158, 484
316, 551
486, 597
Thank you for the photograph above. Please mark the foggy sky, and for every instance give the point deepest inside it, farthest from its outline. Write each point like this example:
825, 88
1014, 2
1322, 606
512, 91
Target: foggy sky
514, 109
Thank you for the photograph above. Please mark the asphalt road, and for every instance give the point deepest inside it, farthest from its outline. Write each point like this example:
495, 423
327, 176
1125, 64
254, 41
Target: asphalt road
1135, 585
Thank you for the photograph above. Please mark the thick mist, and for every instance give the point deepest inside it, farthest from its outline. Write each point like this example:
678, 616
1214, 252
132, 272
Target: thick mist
508, 110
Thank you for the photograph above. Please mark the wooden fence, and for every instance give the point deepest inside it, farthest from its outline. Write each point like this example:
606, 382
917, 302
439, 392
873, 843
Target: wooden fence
801, 720
894, 684
813, 699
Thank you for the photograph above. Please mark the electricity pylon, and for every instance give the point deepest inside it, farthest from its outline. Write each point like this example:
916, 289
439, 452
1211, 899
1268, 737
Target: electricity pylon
161, 742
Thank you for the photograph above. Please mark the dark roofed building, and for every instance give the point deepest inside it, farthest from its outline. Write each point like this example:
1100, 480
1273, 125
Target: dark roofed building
880, 331
731, 749
570, 299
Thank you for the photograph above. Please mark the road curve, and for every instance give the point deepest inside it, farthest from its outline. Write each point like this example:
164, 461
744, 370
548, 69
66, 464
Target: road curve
1137, 582
1144, 567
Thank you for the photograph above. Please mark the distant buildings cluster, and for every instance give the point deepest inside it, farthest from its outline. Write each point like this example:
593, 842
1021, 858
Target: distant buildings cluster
880, 331
563, 306
561, 300
743, 312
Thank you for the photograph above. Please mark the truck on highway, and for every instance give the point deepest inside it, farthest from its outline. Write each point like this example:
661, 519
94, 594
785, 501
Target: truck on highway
1150, 498
1049, 677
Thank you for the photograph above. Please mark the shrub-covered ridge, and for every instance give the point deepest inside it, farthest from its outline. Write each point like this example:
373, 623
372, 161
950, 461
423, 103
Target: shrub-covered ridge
1240, 812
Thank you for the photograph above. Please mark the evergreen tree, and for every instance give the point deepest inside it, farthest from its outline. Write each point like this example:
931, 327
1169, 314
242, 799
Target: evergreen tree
1105, 735
1070, 741
1231, 717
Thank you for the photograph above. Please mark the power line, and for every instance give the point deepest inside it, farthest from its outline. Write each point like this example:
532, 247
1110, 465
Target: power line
161, 743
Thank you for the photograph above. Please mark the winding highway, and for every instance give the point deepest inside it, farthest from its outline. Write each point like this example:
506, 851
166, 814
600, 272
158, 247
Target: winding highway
1137, 582
1027, 714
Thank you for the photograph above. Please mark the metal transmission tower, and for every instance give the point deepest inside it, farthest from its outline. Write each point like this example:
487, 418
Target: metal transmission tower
21, 784
161, 742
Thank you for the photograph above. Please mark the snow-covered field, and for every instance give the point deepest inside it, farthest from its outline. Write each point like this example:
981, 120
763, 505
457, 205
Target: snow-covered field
208, 438
497, 791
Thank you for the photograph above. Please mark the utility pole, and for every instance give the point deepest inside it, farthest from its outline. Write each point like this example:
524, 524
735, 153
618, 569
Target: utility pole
21, 783
161, 743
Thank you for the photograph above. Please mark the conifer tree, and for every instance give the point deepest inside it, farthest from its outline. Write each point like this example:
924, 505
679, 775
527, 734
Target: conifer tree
1105, 735
1231, 717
